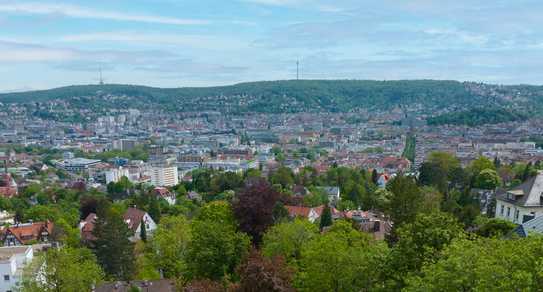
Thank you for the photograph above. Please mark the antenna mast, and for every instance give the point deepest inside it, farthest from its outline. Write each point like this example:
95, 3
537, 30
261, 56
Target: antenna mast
297, 70
101, 79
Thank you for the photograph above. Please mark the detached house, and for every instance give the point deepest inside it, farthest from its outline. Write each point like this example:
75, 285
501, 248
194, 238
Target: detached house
165, 194
311, 214
28, 233
521, 203
132, 217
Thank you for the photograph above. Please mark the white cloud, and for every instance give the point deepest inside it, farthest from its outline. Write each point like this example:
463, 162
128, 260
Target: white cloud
83, 12
11, 52
186, 40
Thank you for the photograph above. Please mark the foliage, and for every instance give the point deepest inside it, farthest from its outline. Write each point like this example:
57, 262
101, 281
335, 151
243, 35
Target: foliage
170, 244
114, 250
326, 217
484, 265
487, 179
477, 116
66, 269
342, 259
258, 273
493, 227
216, 247
405, 200
409, 150
421, 241
275, 96
254, 207
287, 238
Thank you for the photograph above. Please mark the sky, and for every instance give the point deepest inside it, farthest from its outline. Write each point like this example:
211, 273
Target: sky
177, 43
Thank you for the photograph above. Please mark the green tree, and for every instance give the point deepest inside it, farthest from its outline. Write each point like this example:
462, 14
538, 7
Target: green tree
484, 265
143, 231
283, 176
216, 247
114, 250
479, 164
170, 244
326, 217
487, 179
405, 201
287, 238
66, 269
342, 259
421, 241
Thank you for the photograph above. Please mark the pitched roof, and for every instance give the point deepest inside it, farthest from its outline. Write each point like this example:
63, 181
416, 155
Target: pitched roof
299, 211
88, 227
163, 285
29, 231
532, 226
133, 218
528, 193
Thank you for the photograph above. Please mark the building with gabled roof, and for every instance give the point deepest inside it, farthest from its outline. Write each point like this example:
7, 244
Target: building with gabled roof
27, 233
521, 203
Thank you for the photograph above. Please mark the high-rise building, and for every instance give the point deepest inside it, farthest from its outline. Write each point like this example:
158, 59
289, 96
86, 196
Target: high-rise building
164, 176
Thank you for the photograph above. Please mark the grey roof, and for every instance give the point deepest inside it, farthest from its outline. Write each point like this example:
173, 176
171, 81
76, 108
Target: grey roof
533, 226
531, 191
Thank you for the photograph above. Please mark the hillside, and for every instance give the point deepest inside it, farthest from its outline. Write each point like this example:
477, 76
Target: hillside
287, 96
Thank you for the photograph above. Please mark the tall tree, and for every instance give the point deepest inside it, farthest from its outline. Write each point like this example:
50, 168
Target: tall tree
326, 217
421, 241
487, 179
286, 239
253, 207
143, 231
484, 265
114, 250
404, 203
170, 243
342, 259
216, 247
65, 269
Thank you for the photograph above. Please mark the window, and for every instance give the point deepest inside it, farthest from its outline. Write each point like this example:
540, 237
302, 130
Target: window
6, 277
508, 211
516, 215
501, 211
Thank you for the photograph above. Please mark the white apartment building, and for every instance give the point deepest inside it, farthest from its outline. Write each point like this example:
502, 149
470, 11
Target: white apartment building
13, 259
164, 176
115, 175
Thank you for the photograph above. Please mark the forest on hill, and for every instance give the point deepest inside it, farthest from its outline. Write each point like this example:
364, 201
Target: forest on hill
284, 96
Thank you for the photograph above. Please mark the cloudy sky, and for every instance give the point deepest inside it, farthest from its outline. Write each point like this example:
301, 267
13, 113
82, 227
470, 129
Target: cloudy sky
174, 43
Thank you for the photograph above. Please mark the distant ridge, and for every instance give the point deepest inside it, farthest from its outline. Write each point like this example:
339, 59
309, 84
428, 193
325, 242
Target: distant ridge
293, 96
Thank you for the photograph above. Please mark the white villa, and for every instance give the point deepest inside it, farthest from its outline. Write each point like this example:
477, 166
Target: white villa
521, 203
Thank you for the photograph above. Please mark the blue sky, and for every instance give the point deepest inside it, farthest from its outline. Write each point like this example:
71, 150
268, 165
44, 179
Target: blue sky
173, 43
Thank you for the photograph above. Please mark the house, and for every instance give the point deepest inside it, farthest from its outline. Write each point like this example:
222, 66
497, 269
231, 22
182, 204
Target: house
8, 186
300, 190
27, 233
370, 222
192, 195
333, 194
13, 260
311, 214
86, 227
165, 194
534, 226
383, 180
162, 285
521, 203
132, 217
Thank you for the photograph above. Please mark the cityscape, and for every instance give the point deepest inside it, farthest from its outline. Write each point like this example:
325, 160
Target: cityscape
370, 181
